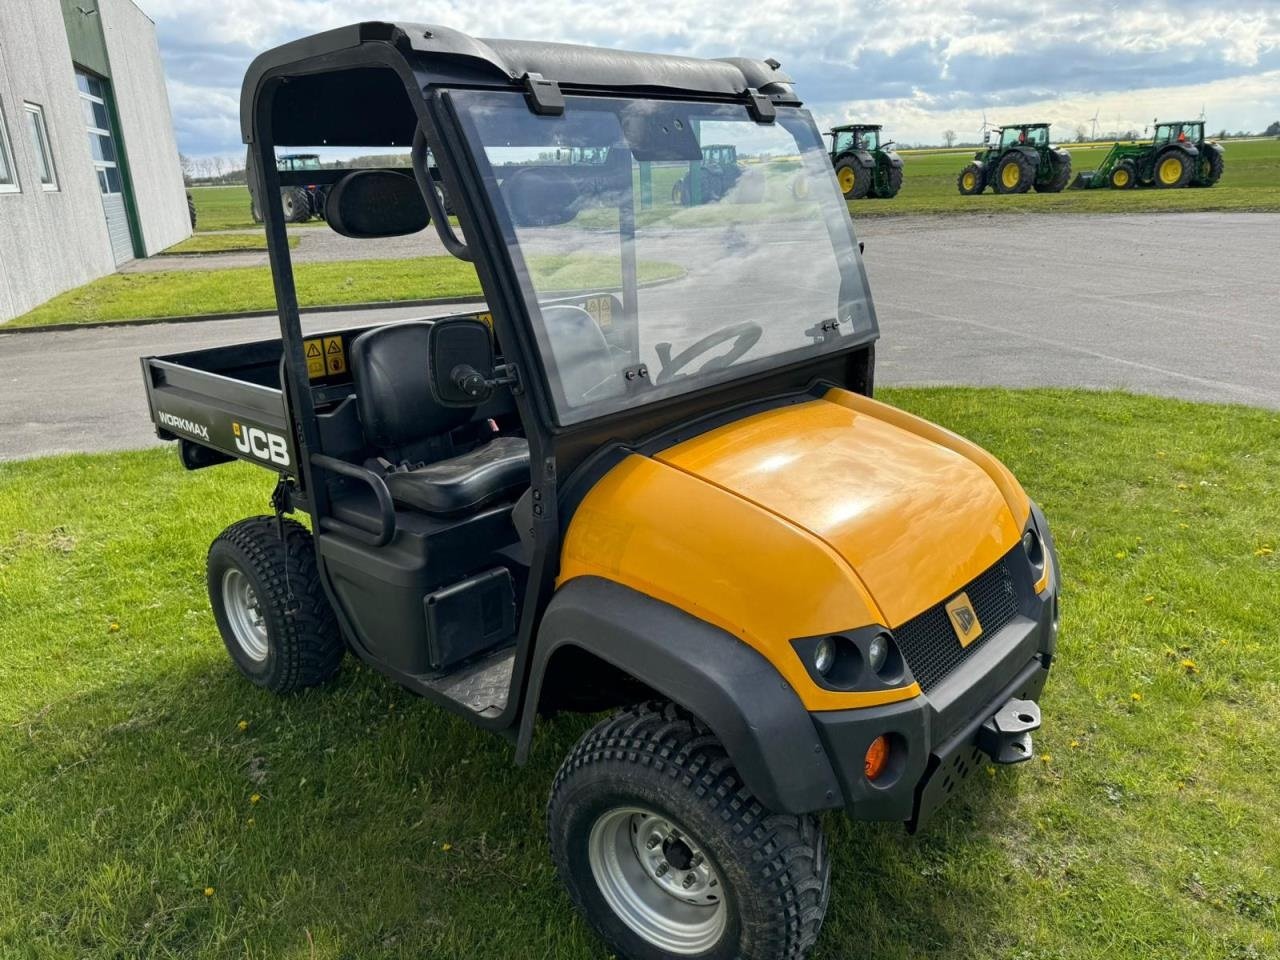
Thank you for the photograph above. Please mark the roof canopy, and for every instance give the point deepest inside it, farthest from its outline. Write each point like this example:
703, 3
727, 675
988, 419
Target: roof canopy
338, 89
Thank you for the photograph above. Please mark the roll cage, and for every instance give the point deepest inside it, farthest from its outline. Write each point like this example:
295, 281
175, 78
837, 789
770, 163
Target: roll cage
382, 84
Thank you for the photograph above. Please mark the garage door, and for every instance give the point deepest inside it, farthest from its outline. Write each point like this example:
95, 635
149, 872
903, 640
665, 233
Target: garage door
103, 146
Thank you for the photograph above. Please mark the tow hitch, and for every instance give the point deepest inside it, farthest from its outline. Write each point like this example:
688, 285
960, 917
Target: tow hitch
1006, 736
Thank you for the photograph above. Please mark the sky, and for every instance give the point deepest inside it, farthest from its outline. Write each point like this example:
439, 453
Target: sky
920, 67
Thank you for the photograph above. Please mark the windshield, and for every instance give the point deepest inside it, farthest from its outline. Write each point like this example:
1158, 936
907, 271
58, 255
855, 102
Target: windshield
705, 247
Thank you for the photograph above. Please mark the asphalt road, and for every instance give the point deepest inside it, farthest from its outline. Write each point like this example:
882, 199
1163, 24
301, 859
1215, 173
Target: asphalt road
1184, 305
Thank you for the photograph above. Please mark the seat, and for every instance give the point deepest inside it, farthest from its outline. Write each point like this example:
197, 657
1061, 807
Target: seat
401, 416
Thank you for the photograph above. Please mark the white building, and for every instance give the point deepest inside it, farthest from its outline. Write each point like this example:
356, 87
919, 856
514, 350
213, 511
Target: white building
89, 173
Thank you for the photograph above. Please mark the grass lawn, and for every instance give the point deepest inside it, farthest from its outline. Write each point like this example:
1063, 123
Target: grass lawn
189, 293
152, 804
1251, 182
227, 208
223, 243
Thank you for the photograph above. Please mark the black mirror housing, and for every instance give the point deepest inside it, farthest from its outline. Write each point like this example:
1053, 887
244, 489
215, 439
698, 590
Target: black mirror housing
460, 356
376, 203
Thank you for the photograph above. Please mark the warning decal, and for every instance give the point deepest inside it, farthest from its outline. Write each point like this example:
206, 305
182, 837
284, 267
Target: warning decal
601, 310
315, 358
335, 356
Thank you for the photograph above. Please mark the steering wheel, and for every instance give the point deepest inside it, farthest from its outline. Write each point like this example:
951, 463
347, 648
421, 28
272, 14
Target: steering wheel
743, 336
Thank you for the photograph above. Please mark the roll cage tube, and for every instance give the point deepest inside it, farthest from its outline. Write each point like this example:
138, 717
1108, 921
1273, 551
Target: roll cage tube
444, 229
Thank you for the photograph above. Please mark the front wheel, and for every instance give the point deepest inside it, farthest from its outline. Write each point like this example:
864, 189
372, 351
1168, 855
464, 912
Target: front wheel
665, 852
970, 182
270, 605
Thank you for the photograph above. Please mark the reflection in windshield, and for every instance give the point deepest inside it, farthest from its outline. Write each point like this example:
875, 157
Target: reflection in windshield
669, 245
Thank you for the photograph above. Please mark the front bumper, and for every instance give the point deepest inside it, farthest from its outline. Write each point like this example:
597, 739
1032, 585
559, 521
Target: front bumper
934, 737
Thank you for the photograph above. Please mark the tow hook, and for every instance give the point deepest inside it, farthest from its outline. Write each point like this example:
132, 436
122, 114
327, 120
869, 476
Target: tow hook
1006, 736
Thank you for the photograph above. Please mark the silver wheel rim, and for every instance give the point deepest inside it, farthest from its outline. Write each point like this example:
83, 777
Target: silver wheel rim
244, 614
656, 877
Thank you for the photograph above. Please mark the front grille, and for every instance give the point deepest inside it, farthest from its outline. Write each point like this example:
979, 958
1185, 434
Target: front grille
928, 642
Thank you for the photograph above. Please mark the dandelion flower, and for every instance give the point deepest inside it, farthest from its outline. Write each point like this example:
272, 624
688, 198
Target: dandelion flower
243, 725
208, 891
1263, 552
1136, 697
446, 847
1189, 665
1046, 758
113, 628
255, 798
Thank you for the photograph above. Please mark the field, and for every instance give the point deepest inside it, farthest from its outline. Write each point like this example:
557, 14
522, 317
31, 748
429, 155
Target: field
190, 293
1251, 182
152, 805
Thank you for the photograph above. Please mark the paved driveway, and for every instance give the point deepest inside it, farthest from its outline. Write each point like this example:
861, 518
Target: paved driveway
1184, 305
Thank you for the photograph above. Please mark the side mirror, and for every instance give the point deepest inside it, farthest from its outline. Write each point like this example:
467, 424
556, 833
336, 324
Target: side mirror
460, 357
375, 203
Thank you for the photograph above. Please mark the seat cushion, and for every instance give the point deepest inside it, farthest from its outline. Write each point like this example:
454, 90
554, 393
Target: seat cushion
496, 469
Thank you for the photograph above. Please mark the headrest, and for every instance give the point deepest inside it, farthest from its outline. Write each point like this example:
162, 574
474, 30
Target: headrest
541, 196
376, 203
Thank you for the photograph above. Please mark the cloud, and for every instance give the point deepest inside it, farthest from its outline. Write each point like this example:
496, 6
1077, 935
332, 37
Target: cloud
920, 66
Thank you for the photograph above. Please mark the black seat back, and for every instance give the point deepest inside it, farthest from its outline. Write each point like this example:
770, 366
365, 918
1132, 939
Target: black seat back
399, 413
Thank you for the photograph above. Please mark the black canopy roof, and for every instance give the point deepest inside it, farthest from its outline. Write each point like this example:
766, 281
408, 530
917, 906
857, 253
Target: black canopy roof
343, 108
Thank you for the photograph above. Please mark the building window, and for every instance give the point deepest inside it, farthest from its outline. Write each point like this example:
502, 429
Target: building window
8, 172
40, 144
97, 121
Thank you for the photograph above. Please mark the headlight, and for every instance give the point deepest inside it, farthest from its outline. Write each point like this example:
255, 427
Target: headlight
1034, 548
824, 655
878, 652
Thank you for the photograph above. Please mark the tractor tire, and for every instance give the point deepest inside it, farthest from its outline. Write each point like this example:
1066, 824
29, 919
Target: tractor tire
664, 851
191, 210
297, 205
894, 181
1124, 176
1209, 167
1013, 174
1173, 169
270, 605
854, 179
800, 187
1061, 177
972, 180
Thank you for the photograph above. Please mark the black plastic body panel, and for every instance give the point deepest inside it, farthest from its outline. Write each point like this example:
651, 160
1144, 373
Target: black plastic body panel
734, 690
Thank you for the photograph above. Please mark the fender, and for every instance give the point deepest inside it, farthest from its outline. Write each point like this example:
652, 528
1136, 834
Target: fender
766, 730
862, 157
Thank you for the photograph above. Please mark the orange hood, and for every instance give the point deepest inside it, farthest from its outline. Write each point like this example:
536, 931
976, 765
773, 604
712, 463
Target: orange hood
915, 511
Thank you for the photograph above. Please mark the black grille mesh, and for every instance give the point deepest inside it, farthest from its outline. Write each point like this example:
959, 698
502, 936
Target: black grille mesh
928, 642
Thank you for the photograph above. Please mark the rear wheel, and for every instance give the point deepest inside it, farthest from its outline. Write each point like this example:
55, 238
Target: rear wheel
1061, 175
1014, 174
1173, 169
270, 605
665, 852
297, 205
854, 179
970, 180
1123, 176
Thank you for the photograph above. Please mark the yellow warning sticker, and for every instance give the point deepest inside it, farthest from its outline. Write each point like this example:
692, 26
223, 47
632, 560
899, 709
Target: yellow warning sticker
315, 358
335, 356
601, 310
486, 319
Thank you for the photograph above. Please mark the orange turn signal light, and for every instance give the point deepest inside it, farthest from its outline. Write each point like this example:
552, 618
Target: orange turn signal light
877, 757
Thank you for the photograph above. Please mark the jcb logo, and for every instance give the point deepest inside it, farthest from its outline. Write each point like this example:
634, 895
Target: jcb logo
261, 444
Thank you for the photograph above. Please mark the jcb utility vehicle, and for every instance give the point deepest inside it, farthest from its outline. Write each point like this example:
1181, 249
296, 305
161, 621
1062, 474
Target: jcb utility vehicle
1177, 156
1021, 158
663, 492
864, 164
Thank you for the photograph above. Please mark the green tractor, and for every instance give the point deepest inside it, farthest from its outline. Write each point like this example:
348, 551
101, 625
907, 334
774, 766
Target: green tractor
712, 179
1177, 156
1021, 158
865, 166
